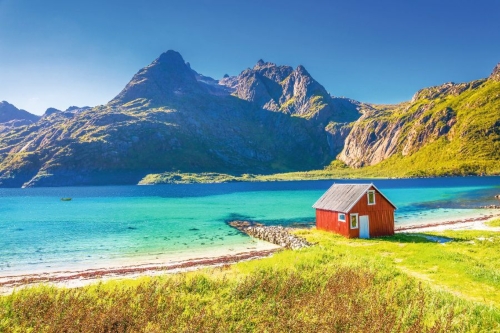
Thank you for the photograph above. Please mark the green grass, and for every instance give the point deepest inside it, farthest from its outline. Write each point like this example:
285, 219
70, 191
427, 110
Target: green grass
189, 178
403, 283
494, 223
469, 266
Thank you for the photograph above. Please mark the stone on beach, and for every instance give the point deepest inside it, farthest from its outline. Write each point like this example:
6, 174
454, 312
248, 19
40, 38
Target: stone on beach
274, 234
491, 207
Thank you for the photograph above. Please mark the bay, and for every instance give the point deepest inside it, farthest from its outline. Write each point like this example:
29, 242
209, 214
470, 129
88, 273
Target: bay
125, 225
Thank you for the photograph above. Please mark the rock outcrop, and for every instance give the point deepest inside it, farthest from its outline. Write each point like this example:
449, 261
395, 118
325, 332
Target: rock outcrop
490, 207
495, 75
273, 234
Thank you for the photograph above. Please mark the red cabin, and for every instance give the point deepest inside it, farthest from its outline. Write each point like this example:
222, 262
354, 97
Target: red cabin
355, 210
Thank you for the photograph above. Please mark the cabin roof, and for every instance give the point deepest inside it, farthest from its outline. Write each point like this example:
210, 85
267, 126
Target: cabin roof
342, 197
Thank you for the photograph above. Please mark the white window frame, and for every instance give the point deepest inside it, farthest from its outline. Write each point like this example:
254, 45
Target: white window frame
368, 197
341, 220
357, 221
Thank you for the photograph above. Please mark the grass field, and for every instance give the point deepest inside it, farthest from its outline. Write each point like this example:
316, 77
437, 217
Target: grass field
494, 223
403, 283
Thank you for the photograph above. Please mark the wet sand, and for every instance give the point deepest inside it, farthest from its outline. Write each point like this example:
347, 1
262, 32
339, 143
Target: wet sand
73, 279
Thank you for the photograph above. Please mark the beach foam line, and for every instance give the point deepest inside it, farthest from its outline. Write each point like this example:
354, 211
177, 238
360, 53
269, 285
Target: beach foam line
9, 283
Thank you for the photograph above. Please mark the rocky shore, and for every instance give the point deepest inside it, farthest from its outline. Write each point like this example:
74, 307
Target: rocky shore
274, 234
493, 206
490, 206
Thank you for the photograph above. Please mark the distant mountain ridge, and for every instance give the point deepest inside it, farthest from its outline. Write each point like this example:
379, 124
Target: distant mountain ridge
171, 118
9, 112
268, 119
11, 117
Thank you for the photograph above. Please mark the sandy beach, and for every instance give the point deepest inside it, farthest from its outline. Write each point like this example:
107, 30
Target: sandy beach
75, 278
474, 223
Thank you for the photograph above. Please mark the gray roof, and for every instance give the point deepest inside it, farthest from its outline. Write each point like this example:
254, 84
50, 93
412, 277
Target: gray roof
342, 197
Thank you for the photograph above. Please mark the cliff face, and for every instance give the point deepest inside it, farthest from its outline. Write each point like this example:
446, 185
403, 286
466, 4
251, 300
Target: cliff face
371, 140
464, 118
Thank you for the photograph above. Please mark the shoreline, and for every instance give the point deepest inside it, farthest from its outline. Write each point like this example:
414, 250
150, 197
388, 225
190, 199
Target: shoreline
169, 178
75, 278
475, 222
71, 279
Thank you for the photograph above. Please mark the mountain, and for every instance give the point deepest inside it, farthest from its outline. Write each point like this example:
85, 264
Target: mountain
449, 129
291, 91
268, 119
50, 111
295, 92
171, 118
164, 81
11, 117
9, 112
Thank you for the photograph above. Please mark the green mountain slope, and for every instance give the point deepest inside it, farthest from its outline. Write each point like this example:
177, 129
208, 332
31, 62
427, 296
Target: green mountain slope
452, 129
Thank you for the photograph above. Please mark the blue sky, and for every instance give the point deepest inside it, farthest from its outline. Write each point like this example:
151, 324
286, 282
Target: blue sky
62, 53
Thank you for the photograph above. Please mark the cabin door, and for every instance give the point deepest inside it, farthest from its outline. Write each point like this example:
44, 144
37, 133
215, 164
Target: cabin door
364, 227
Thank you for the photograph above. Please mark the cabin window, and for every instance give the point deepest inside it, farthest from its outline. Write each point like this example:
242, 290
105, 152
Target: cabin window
371, 197
354, 221
341, 217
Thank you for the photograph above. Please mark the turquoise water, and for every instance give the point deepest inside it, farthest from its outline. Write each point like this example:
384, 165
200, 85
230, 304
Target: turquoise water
106, 226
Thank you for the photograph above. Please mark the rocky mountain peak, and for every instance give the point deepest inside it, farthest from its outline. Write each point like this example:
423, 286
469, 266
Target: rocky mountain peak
259, 63
273, 72
495, 75
74, 108
170, 57
165, 79
9, 112
281, 88
302, 70
50, 111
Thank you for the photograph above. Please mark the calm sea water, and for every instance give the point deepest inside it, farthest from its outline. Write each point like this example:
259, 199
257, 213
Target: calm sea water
105, 226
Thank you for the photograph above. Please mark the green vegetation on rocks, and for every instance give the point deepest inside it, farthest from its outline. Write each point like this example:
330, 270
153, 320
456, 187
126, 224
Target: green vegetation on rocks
453, 129
189, 178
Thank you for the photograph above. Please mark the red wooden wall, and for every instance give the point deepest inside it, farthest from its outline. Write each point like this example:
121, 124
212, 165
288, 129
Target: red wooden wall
328, 220
381, 218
